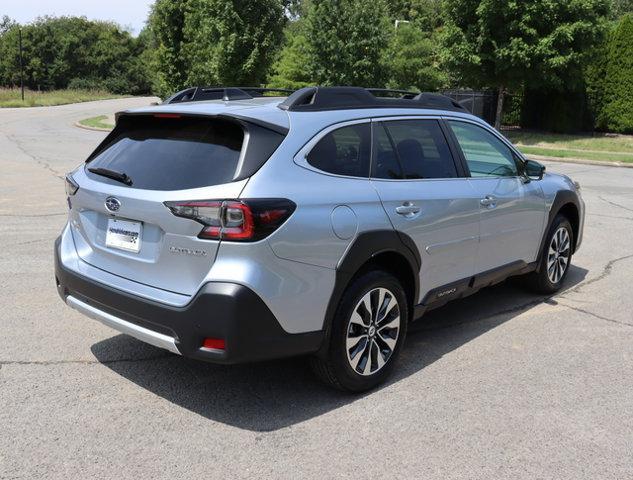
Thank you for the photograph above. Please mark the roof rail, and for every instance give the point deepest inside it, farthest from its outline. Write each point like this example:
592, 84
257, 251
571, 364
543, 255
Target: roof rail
198, 94
313, 99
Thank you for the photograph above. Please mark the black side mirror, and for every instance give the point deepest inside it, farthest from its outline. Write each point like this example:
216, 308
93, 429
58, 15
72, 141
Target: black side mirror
534, 169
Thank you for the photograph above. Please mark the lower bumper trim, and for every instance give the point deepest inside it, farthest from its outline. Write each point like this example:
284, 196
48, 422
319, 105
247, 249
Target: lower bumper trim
141, 333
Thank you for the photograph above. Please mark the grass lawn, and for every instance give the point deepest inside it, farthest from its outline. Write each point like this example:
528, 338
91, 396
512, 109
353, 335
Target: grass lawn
600, 147
97, 122
12, 97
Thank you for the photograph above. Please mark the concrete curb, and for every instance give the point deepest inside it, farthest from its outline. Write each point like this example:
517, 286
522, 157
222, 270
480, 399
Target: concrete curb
579, 161
95, 129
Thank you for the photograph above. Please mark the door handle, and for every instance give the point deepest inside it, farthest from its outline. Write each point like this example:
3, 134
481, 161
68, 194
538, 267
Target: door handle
488, 201
407, 209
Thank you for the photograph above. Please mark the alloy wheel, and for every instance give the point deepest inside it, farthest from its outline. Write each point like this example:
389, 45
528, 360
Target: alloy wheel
558, 255
372, 331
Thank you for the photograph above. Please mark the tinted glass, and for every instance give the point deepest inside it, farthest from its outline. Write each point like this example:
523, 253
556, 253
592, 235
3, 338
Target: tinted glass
485, 154
386, 164
172, 153
345, 151
412, 149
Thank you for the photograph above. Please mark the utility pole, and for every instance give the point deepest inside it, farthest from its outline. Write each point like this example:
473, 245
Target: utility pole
21, 63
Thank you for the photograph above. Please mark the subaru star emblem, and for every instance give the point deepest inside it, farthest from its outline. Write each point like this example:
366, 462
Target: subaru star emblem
113, 204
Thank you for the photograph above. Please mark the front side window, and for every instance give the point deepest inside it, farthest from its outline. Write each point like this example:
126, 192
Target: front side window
345, 151
411, 149
486, 155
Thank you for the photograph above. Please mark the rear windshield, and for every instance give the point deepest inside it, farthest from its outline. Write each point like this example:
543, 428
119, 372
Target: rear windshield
171, 153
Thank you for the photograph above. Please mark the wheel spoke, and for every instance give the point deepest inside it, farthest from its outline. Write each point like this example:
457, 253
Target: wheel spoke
357, 320
352, 343
561, 268
389, 341
563, 261
381, 300
357, 355
380, 359
393, 323
364, 310
565, 245
367, 356
393, 316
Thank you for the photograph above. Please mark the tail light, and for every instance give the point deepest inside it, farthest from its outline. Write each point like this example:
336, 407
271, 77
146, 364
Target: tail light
236, 220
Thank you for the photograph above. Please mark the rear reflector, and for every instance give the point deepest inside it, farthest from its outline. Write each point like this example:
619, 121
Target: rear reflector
214, 343
235, 220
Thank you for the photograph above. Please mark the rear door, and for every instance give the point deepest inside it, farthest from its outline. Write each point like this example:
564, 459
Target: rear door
126, 229
426, 197
512, 208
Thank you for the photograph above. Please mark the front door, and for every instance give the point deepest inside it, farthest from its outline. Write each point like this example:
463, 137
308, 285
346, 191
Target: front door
421, 191
512, 207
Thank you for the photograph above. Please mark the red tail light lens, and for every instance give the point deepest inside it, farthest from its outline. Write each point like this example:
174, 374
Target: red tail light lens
235, 220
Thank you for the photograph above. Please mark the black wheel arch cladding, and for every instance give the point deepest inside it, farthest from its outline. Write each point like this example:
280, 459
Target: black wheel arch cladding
567, 203
366, 247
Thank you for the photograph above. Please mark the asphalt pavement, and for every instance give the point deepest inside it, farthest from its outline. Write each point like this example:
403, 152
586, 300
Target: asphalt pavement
504, 384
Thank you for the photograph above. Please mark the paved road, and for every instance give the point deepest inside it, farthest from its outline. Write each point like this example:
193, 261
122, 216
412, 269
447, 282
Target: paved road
501, 385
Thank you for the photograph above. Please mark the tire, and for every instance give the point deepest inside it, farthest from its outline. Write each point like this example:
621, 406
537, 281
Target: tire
360, 357
551, 273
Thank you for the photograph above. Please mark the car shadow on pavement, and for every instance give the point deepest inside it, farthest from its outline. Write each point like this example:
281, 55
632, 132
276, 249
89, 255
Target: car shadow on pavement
272, 395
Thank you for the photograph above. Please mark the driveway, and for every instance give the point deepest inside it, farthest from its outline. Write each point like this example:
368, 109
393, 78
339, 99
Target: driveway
503, 384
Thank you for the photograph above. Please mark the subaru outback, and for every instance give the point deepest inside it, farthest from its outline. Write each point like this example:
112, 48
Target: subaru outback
229, 225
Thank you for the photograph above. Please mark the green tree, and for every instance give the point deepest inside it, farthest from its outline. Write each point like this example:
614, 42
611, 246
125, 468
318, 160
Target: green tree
617, 108
206, 42
413, 60
427, 14
506, 44
346, 41
289, 70
232, 42
167, 22
73, 50
621, 8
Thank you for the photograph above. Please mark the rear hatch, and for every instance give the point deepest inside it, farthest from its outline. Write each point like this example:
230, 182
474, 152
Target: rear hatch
119, 219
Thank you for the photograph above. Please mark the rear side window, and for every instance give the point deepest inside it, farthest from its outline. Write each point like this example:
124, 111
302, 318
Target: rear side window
412, 149
171, 153
345, 151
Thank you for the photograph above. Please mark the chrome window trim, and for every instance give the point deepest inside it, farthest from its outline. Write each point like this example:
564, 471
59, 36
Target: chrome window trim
301, 158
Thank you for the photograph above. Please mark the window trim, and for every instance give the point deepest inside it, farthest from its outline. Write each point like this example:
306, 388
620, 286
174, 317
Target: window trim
520, 164
301, 158
461, 173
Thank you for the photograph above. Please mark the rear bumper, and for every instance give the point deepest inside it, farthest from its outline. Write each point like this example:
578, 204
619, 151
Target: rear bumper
223, 310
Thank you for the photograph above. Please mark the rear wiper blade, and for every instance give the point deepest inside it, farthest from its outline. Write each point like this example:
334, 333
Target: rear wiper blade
113, 174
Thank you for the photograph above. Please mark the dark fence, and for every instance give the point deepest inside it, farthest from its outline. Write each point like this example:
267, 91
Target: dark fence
482, 103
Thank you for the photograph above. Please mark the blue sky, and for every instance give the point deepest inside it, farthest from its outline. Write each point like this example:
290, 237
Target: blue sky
128, 13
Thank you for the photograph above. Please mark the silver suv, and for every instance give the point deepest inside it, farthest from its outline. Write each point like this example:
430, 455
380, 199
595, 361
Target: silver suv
231, 226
